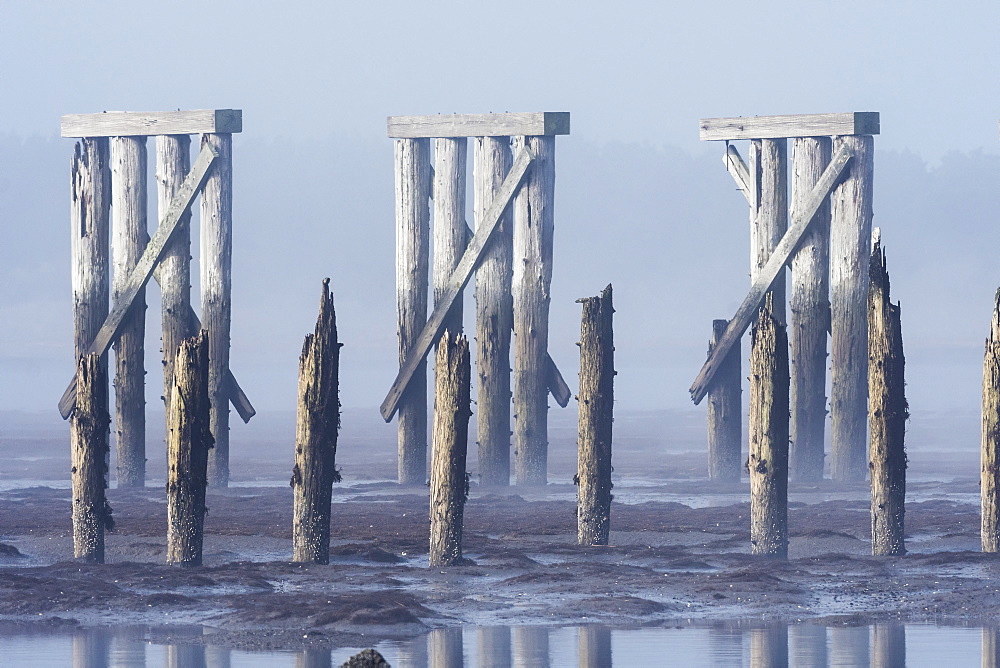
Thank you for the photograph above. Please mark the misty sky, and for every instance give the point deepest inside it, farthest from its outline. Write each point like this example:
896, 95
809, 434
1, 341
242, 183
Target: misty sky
640, 201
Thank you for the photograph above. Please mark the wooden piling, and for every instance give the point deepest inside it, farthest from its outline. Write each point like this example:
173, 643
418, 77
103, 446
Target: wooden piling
725, 414
189, 439
216, 295
990, 452
768, 210
450, 230
451, 438
412, 158
596, 397
850, 233
769, 436
494, 316
809, 321
89, 448
317, 423
445, 647
533, 232
173, 161
887, 413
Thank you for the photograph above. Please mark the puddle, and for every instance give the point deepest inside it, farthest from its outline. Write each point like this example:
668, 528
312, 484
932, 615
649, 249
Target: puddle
730, 644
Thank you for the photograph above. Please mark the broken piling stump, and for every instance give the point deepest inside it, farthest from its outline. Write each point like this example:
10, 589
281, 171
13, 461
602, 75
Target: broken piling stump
89, 443
990, 454
887, 413
725, 413
189, 439
596, 397
317, 423
768, 462
450, 447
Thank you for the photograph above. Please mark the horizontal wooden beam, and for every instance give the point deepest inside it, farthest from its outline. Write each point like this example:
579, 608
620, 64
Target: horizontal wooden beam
780, 257
145, 123
800, 125
479, 125
474, 252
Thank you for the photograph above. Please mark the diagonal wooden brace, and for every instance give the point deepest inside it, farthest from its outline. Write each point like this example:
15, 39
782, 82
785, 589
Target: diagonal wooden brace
140, 275
738, 170
781, 256
553, 377
459, 279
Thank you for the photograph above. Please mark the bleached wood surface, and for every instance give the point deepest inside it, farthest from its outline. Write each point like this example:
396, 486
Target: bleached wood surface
89, 213
449, 236
533, 233
479, 125
738, 169
216, 294
769, 211
779, 258
88, 460
798, 125
133, 123
412, 251
129, 239
850, 235
494, 314
809, 319
990, 452
725, 413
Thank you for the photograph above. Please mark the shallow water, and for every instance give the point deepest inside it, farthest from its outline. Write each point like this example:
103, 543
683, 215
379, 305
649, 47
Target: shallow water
751, 644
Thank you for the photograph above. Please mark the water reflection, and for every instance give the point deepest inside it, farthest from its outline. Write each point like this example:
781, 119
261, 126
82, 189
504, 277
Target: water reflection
746, 644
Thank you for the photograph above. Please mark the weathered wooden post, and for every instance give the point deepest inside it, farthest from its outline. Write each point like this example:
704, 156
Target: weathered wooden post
725, 413
494, 316
445, 647
769, 436
769, 211
597, 400
189, 439
494, 646
317, 423
92, 648
450, 230
990, 453
216, 295
594, 647
89, 443
809, 321
887, 412
129, 239
451, 439
888, 642
412, 249
315, 658
850, 232
533, 235
173, 162
769, 646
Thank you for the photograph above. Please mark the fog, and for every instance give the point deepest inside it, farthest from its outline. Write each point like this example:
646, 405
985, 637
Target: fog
640, 202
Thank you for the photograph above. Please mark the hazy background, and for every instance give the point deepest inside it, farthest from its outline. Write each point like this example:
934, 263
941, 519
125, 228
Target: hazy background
640, 202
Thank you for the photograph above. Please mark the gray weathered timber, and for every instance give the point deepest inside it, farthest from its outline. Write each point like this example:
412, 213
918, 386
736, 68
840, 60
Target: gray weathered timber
156, 251
189, 440
725, 413
434, 326
990, 453
494, 314
412, 250
172, 166
90, 200
556, 383
449, 484
129, 239
889, 645
479, 125
798, 125
739, 171
449, 220
887, 413
769, 211
144, 123
769, 273
533, 233
216, 294
850, 234
597, 401
768, 462
317, 423
809, 320
89, 452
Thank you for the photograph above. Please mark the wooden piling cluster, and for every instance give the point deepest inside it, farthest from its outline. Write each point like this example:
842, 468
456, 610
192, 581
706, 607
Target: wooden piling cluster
510, 250
109, 176
597, 400
823, 237
887, 412
990, 452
